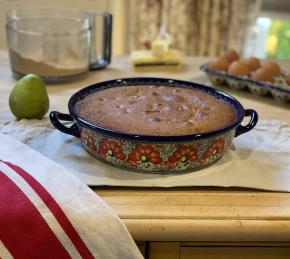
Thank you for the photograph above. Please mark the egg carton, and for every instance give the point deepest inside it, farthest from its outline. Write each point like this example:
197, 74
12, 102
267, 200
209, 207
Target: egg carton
279, 90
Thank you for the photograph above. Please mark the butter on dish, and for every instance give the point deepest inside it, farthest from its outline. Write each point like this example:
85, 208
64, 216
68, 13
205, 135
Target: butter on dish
147, 58
160, 53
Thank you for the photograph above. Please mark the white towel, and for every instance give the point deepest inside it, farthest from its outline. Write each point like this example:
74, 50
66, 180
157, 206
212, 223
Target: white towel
46, 212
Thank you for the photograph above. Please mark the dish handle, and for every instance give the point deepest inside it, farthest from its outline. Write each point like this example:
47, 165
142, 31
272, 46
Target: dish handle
252, 123
55, 118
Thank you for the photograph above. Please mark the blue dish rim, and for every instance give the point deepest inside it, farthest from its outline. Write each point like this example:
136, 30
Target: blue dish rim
240, 112
224, 74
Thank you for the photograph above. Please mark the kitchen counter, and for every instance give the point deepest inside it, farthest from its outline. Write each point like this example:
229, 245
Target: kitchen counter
185, 220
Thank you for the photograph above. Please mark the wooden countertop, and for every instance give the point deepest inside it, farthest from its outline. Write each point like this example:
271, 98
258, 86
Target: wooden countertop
182, 214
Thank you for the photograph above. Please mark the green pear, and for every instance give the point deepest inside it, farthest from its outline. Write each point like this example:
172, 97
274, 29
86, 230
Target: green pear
28, 99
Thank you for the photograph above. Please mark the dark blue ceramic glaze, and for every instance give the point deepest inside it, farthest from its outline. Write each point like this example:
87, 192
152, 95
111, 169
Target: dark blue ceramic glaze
226, 75
240, 112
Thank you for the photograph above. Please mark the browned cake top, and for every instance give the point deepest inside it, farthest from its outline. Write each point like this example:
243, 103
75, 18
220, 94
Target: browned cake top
155, 110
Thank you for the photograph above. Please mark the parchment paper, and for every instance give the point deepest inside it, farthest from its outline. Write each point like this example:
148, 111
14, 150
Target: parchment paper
259, 159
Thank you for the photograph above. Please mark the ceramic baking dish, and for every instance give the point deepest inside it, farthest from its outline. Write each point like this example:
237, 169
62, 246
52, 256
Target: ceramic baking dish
279, 90
146, 153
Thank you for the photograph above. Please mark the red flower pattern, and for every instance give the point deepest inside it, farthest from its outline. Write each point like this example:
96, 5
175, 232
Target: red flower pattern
144, 153
111, 148
89, 140
183, 154
217, 147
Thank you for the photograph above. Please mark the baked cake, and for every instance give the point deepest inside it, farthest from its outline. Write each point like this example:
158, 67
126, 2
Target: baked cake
155, 110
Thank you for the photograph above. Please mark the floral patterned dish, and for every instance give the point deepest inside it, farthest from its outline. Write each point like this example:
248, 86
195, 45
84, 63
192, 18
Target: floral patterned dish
279, 89
159, 154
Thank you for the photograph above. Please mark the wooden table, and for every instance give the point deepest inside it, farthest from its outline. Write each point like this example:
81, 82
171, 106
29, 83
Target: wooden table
187, 222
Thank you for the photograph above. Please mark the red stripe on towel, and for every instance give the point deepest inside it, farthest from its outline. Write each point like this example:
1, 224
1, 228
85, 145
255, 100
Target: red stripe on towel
23, 230
55, 210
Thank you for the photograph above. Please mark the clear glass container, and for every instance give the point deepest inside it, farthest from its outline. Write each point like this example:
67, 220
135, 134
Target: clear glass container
56, 44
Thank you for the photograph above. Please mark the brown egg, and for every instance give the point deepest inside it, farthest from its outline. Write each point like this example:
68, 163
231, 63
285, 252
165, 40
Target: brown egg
219, 64
238, 68
272, 66
231, 55
287, 79
263, 74
252, 62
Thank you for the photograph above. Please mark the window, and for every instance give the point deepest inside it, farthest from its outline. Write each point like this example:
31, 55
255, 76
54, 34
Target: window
270, 36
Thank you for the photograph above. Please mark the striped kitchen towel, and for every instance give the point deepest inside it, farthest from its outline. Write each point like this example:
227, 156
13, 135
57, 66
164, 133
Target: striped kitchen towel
45, 212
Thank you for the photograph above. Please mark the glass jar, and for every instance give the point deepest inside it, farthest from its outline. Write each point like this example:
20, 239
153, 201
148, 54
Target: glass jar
57, 44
